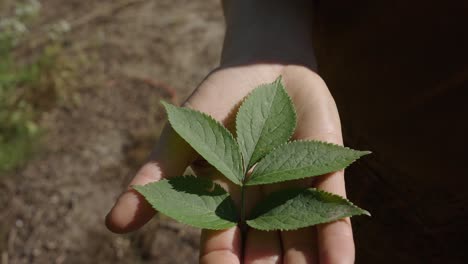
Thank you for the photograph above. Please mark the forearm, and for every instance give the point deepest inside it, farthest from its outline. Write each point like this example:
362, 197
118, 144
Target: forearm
268, 31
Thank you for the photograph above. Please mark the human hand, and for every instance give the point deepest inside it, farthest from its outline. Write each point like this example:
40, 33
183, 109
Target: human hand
219, 95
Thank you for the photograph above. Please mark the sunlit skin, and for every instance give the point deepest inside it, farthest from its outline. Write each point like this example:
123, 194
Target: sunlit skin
264, 39
219, 96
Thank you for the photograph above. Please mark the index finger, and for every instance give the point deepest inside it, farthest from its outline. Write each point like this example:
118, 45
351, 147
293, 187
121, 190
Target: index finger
172, 155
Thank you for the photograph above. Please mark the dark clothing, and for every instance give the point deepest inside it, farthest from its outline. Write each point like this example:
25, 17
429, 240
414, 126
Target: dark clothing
398, 71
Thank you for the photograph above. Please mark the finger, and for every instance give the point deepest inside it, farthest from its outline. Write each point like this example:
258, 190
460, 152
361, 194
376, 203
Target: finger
263, 247
220, 246
335, 239
318, 119
299, 246
170, 158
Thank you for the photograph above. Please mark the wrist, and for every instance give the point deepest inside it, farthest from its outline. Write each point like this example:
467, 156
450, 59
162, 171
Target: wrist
268, 31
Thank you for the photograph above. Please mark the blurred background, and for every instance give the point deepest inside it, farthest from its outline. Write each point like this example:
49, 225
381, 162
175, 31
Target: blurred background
80, 85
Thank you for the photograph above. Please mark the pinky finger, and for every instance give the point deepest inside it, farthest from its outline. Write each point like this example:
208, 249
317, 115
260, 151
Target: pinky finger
335, 239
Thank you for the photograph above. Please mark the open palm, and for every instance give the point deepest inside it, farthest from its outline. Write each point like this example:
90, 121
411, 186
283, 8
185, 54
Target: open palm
219, 95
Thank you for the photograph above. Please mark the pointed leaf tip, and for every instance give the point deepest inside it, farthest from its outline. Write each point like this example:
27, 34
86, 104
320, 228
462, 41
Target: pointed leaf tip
266, 119
365, 152
302, 159
209, 138
298, 208
279, 79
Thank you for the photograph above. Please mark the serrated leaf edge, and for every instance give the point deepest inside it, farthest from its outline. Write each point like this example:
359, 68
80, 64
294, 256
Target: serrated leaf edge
135, 187
218, 123
362, 212
361, 152
275, 82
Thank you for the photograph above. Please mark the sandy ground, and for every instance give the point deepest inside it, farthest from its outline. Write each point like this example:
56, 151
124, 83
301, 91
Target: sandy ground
130, 56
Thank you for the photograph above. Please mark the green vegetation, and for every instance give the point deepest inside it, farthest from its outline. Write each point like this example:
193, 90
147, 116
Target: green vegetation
265, 122
21, 83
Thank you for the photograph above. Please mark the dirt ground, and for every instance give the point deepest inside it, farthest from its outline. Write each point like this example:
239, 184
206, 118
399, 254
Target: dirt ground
130, 54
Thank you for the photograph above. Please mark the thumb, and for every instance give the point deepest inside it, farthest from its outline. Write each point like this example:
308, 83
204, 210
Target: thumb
170, 158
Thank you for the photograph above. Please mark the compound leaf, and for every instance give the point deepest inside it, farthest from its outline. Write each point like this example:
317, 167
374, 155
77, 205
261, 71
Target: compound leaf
301, 159
265, 120
193, 201
209, 138
298, 208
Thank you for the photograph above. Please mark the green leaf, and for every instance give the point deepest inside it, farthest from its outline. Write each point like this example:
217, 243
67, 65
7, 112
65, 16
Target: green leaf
209, 138
301, 159
298, 208
193, 201
265, 120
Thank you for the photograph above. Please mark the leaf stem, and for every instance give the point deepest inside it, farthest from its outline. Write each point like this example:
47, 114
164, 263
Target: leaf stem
242, 213
242, 224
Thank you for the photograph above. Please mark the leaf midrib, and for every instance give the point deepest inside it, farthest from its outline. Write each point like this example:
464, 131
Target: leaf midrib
319, 168
268, 219
263, 127
221, 162
197, 206
288, 171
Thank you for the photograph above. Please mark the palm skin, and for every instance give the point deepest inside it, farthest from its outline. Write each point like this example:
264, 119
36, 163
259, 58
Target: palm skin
219, 95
